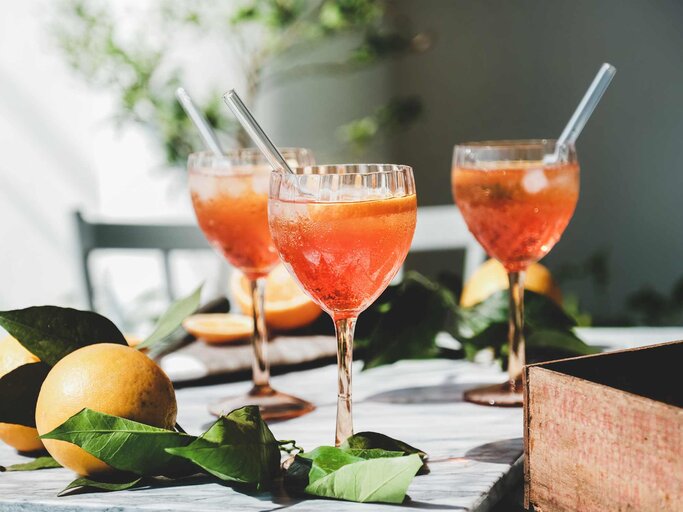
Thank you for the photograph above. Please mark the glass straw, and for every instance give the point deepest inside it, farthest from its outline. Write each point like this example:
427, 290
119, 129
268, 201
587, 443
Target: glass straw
587, 105
207, 134
277, 161
584, 110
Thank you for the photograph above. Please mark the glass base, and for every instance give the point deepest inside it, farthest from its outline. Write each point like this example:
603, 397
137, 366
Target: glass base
498, 395
273, 405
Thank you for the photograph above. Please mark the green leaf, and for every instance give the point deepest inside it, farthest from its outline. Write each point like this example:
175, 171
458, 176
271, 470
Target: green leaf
543, 312
408, 327
373, 453
115, 482
45, 462
327, 459
548, 328
19, 391
473, 321
238, 447
565, 341
172, 318
124, 444
384, 480
376, 441
51, 332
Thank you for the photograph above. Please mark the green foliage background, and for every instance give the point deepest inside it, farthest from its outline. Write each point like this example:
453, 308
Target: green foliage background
142, 69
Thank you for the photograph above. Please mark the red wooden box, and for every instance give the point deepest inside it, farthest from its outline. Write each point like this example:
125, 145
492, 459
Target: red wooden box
605, 432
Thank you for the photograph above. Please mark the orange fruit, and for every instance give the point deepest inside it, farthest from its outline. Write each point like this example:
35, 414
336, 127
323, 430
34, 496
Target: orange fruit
286, 305
13, 355
491, 277
108, 378
219, 327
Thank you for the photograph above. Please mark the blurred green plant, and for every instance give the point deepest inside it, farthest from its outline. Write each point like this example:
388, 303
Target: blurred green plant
647, 306
404, 322
141, 67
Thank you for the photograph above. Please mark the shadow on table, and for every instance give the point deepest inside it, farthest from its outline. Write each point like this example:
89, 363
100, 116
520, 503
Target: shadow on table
498, 452
424, 505
442, 393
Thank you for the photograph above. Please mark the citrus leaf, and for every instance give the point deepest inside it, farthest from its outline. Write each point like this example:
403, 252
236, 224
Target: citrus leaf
116, 482
327, 459
539, 312
51, 332
19, 391
373, 453
238, 447
565, 341
408, 327
375, 441
170, 321
384, 480
45, 462
124, 444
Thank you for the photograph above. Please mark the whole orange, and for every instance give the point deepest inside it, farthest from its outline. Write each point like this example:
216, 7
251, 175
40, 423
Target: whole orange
107, 378
13, 355
491, 277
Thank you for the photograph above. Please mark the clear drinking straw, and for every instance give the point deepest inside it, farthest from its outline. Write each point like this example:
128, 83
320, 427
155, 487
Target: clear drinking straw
275, 158
585, 108
208, 135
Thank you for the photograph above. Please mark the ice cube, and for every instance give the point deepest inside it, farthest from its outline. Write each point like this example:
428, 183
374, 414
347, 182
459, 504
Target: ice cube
534, 181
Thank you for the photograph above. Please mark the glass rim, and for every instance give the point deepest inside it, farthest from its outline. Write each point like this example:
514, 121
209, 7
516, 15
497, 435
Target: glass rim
355, 169
251, 150
510, 143
231, 161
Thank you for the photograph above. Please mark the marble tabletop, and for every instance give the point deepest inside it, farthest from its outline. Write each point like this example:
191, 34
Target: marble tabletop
474, 450
471, 448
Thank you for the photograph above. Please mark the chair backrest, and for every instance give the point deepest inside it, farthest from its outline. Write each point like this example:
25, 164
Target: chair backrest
441, 228
438, 228
94, 235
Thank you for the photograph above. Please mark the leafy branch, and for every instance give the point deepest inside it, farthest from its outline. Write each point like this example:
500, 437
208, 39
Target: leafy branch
264, 35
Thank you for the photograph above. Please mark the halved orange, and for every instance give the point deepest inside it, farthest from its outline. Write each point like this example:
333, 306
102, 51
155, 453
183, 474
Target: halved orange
286, 305
219, 327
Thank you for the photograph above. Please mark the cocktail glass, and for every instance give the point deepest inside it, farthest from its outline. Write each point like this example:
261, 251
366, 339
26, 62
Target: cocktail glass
230, 198
517, 197
343, 231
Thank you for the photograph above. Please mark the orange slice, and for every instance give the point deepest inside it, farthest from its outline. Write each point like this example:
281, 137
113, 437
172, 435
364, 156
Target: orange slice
286, 305
219, 327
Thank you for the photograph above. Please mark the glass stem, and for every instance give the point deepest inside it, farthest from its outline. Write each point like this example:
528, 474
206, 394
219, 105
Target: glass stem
517, 357
344, 328
259, 341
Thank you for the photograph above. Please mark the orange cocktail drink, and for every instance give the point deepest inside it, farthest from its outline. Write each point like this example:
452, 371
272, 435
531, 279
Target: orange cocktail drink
517, 210
517, 198
230, 198
232, 211
343, 231
344, 254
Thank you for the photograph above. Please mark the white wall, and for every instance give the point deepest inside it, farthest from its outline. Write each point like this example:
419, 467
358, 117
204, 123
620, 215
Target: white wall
60, 152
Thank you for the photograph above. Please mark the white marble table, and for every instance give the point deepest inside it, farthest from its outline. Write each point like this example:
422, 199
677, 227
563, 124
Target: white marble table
474, 450
471, 447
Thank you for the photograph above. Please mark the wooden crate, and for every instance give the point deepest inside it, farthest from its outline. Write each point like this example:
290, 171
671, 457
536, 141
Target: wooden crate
605, 432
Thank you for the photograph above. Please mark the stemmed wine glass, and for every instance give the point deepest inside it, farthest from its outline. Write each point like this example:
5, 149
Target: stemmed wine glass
517, 197
230, 199
343, 231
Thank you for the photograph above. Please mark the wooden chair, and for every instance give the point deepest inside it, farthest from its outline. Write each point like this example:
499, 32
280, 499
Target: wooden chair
438, 228
165, 238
